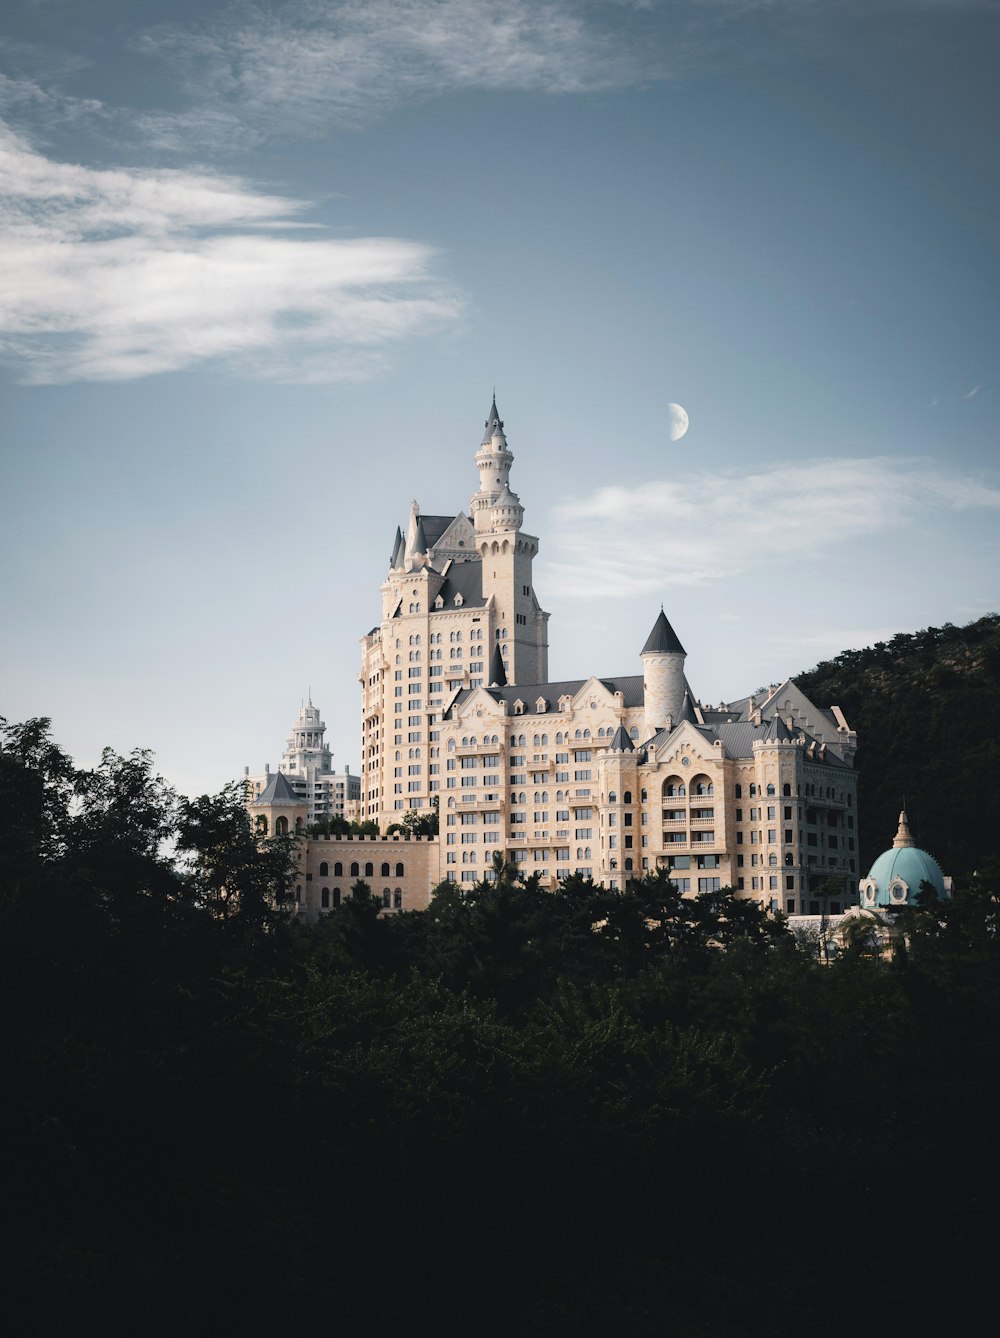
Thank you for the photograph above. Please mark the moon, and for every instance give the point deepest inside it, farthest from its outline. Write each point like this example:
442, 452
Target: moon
677, 415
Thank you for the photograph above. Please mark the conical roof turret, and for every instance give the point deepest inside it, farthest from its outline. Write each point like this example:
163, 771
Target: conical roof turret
663, 640
498, 674
687, 710
397, 550
494, 425
621, 743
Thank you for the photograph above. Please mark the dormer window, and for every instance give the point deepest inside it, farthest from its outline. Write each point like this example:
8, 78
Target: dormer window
459, 601
439, 603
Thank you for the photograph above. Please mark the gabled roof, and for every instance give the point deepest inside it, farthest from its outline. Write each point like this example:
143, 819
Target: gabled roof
434, 527
630, 687
663, 640
278, 791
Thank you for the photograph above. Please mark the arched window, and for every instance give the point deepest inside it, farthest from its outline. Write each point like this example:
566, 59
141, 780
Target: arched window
336, 896
338, 870
739, 792
634, 732
281, 827
355, 869
786, 790
261, 824
627, 797
399, 869
324, 870
397, 899
386, 898
772, 859
324, 899
612, 797
369, 870
770, 789
628, 865
788, 858
753, 791
674, 788
385, 869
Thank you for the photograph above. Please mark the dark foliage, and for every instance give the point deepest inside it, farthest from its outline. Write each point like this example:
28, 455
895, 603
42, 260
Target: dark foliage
926, 707
519, 1112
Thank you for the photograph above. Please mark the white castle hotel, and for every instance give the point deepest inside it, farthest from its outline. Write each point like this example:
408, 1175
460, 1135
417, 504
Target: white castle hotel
610, 778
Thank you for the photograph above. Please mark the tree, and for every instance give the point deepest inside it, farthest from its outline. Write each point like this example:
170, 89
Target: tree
236, 873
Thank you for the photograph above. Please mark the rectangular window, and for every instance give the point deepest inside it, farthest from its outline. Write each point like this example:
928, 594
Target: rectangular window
582, 776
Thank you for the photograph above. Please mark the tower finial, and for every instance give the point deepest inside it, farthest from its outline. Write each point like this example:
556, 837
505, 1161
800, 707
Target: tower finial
903, 838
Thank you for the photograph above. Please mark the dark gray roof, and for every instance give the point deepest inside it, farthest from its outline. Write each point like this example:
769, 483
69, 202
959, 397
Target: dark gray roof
492, 421
278, 791
630, 687
434, 527
621, 743
663, 640
776, 730
687, 710
466, 579
419, 537
397, 549
498, 674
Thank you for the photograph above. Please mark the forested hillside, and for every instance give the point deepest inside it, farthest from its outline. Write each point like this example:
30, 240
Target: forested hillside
926, 707
521, 1112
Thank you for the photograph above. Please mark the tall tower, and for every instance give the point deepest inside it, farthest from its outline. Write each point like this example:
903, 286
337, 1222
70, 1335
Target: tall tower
458, 596
507, 553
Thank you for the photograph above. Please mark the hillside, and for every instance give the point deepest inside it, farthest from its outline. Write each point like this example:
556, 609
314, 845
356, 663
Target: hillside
926, 707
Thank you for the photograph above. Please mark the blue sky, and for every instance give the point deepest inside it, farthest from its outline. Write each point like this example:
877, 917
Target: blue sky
261, 266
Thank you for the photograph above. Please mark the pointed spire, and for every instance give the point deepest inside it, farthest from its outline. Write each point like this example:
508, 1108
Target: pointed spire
621, 743
903, 838
687, 710
397, 551
498, 674
419, 538
494, 424
662, 640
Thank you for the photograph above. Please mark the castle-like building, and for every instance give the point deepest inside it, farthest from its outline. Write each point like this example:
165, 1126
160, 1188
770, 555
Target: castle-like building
307, 765
609, 778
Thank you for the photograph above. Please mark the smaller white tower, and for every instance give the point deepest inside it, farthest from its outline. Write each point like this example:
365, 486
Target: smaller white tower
494, 460
663, 682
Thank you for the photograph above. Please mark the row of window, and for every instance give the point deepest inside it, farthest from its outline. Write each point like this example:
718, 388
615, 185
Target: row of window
338, 870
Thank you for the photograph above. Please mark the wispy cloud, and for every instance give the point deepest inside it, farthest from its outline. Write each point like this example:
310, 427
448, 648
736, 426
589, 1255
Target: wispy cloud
109, 275
316, 62
972, 393
624, 541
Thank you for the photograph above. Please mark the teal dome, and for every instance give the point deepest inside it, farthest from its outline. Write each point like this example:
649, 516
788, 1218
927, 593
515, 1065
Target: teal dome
895, 877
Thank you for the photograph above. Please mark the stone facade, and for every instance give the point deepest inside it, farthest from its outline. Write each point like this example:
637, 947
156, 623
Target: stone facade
608, 778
